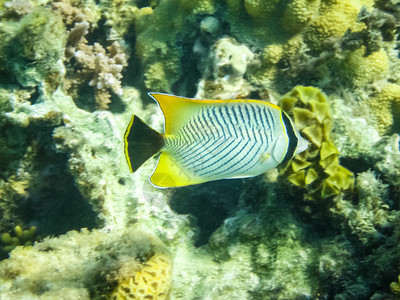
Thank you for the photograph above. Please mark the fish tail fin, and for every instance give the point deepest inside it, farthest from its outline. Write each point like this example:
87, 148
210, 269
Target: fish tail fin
141, 143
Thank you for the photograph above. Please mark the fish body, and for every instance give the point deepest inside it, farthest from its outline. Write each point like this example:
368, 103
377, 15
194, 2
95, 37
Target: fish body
209, 140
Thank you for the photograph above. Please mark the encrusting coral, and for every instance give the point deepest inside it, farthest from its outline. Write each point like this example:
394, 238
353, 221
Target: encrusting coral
317, 169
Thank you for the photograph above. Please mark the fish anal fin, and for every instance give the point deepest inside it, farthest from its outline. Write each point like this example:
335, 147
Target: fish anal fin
169, 173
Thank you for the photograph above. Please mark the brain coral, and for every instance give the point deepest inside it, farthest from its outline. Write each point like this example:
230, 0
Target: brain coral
151, 281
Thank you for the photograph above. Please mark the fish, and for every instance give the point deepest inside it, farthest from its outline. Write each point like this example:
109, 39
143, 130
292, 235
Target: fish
207, 140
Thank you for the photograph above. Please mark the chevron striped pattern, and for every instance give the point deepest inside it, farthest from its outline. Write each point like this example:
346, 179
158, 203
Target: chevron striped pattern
226, 140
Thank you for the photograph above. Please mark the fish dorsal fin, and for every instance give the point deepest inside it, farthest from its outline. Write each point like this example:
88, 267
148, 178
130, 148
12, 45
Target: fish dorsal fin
176, 110
170, 173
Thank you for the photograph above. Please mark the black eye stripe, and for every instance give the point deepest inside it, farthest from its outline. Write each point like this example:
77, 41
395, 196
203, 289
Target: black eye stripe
293, 140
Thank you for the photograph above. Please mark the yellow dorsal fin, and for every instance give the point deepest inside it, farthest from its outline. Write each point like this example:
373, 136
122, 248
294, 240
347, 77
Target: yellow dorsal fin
169, 173
176, 110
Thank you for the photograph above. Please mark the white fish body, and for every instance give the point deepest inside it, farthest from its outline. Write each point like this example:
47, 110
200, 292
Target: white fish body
209, 140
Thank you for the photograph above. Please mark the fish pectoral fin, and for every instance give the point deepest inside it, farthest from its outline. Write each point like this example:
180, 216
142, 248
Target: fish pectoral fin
170, 173
264, 157
278, 149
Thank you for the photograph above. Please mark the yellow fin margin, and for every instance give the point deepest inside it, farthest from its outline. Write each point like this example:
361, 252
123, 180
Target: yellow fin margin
177, 110
169, 173
128, 129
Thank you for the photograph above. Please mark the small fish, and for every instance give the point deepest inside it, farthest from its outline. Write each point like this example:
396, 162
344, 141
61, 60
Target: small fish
209, 140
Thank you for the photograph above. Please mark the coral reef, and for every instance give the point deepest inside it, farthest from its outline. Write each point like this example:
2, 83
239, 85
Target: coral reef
72, 72
59, 264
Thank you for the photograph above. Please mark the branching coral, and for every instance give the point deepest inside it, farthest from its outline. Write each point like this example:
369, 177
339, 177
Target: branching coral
76, 22
96, 66
76, 11
100, 69
247, 48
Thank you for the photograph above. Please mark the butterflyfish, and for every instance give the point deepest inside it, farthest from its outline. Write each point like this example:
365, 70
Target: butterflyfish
208, 140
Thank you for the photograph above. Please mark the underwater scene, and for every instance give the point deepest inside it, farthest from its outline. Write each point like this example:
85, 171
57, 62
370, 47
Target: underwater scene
133, 164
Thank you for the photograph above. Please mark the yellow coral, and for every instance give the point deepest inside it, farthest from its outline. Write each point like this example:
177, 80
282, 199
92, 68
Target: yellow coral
262, 74
151, 281
385, 105
318, 168
395, 287
299, 13
334, 19
272, 54
361, 69
259, 9
203, 6
19, 238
